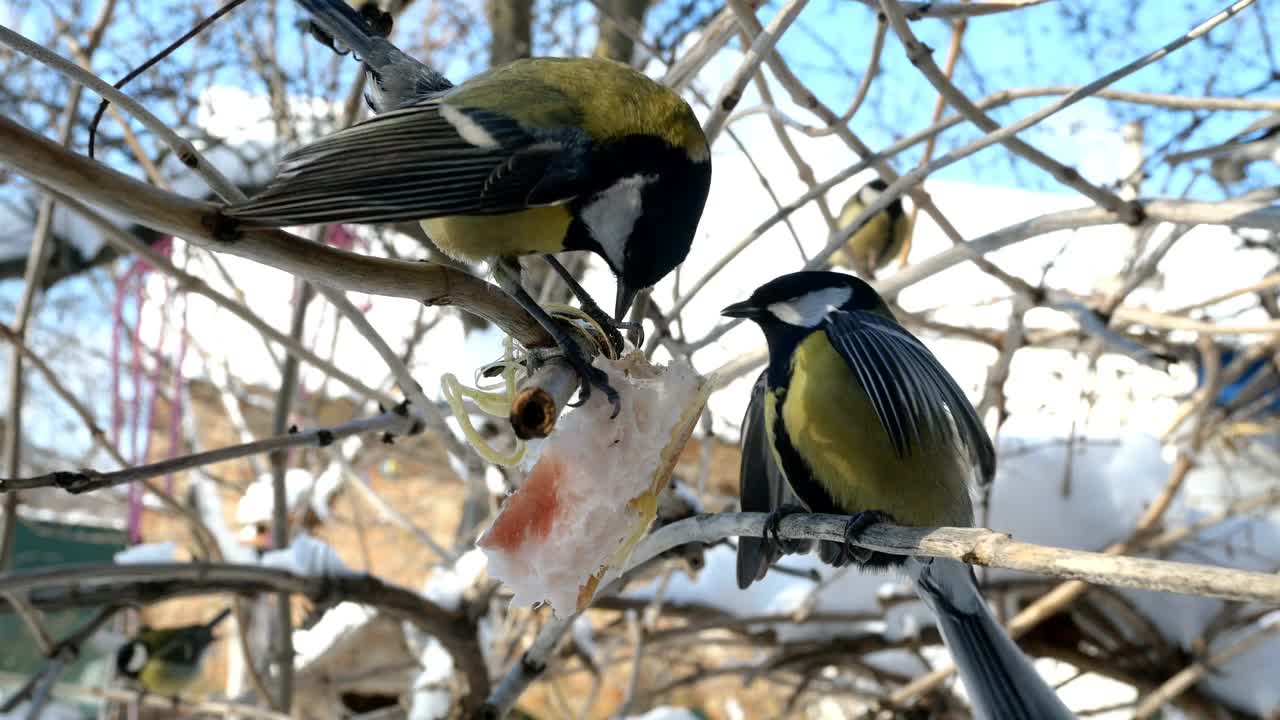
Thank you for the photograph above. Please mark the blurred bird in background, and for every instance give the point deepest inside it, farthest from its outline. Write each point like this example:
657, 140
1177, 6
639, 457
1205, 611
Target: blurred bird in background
166, 661
878, 240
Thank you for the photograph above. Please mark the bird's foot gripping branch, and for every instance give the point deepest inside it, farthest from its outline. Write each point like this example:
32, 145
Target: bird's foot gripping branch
592, 491
534, 385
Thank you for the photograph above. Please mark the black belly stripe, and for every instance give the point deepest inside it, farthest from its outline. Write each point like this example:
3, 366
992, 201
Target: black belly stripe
811, 492
799, 475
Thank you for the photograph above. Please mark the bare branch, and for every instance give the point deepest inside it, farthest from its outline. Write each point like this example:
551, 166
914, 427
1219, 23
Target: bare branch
959, 10
397, 421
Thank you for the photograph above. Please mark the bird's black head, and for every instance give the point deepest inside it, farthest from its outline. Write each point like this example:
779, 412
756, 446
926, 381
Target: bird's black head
790, 307
803, 299
131, 658
643, 221
872, 191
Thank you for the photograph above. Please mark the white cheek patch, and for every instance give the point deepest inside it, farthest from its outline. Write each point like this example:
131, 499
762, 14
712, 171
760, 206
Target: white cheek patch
467, 128
613, 213
868, 195
137, 658
809, 309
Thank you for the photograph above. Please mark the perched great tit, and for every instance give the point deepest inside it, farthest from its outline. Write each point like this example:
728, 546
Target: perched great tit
541, 155
878, 240
166, 661
854, 415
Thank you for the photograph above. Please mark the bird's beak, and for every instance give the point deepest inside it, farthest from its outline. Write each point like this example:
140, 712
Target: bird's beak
622, 305
742, 309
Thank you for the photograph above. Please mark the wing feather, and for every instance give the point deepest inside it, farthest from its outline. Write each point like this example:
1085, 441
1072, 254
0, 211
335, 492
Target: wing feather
762, 488
408, 164
913, 395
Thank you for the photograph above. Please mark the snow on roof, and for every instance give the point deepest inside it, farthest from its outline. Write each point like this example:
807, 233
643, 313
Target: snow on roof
667, 713
258, 501
312, 643
307, 557
162, 552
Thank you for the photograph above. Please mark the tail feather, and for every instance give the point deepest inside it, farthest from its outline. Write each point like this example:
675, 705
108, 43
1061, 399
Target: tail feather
396, 79
762, 488
343, 24
1000, 679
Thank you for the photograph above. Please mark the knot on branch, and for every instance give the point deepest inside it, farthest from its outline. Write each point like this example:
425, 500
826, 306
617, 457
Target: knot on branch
533, 413
1132, 213
918, 52
919, 12
220, 227
986, 548
77, 481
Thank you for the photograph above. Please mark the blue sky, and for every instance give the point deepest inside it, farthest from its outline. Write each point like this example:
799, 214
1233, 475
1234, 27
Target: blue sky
1060, 42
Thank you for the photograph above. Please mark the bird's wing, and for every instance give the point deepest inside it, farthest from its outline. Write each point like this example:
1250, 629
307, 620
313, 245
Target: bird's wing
177, 646
762, 488
913, 395
419, 162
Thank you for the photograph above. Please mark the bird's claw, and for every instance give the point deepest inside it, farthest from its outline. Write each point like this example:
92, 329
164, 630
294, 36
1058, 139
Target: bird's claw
773, 524
635, 331
855, 527
593, 377
537, 357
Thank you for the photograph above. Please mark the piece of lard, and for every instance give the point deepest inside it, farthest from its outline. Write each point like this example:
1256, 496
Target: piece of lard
593, 491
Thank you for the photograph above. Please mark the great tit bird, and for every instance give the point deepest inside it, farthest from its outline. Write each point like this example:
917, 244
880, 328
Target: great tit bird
166, 661
854, 415
538, 156
878, 240
1259, 141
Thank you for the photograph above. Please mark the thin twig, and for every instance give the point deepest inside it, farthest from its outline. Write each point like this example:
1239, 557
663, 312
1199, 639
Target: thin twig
760, 49
395, 421
183, 149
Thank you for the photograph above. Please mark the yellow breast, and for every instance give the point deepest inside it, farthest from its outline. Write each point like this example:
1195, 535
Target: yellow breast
874, 245
482, 237
169, 680
833, 426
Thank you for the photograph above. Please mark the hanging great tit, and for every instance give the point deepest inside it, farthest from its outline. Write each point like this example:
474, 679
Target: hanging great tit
854, 415
878, 240
166, 661
541, 155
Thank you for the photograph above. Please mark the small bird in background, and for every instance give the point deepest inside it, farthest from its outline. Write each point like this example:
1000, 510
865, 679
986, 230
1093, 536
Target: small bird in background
542, 155
166, 661
1230, 159
855, 416
878, 240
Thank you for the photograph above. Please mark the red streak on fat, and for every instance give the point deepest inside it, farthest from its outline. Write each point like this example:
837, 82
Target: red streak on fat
531, 511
